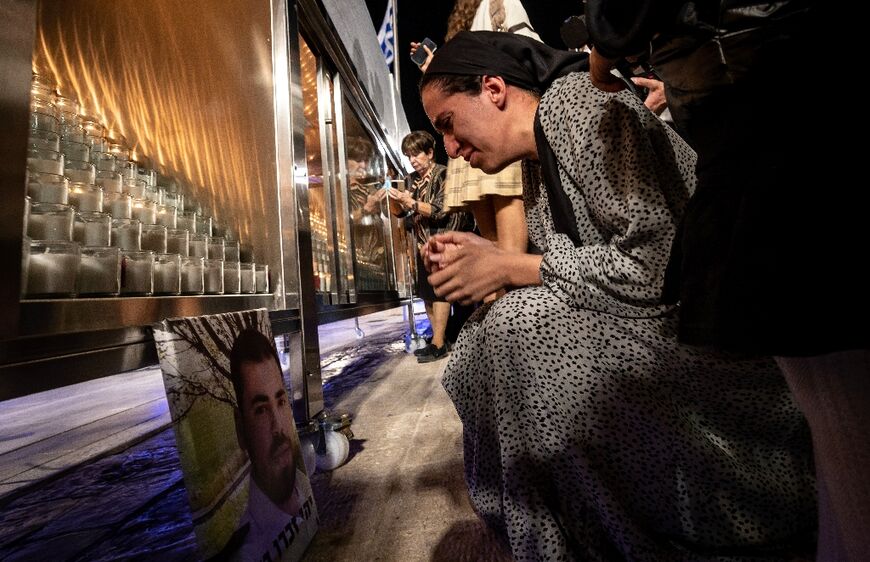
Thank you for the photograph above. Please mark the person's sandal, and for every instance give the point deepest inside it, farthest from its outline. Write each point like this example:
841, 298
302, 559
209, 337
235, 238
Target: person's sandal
436, 354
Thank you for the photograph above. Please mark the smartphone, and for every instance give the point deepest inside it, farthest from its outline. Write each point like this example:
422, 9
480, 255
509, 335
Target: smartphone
419, 56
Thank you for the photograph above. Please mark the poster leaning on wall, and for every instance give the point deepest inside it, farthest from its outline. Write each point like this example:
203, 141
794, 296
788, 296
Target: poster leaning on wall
231, 411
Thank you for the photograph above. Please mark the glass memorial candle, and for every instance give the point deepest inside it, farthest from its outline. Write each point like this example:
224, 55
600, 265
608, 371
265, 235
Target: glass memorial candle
246, 277
53, 269
77, 151
214, 277
137, 273
85, 197
48, 188
45, 161
173, 199
178, 242
127, 234
135, 187
78, 171
192, 276
154, 193
93, 229
45, 140
27, 204
167, 215
145, 211
231, 250
104, 161
187, 221
167, 274
100, 271
51, 221
199, 245
203, 224
232, 280
154, 238
215, 248
119, 205
110, 181
262, 278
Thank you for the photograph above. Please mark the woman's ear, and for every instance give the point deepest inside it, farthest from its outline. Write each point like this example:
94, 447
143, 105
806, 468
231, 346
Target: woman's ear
495, 89
430, 153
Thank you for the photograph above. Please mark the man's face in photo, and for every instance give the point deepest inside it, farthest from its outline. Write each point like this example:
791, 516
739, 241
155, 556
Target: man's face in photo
264, 427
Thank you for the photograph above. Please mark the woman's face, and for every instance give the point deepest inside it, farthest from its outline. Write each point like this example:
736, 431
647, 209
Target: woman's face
471, 126
421, 161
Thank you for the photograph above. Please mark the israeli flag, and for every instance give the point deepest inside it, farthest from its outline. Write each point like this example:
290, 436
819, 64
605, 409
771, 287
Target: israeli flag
386, 37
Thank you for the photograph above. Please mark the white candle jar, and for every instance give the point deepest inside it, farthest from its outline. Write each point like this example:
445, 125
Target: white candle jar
167, 274
262, 278
216, 248
134, 187
173, 199
86, 197
187, 221
45, 140
246, 278
104, 161
43, 117
137, 273
127, 234
110, 181
119, 205
53, 269
154, 193
48, 188
25, 263
192, 276
78, 150
214, 277
203, 224
178, 242
167, 215
129, 169
100, 271
79, 171
93, 229
154, 238
232, 280
246, 253
231, 250
148, 175
199, 245
45, 161
145, 211
51, 221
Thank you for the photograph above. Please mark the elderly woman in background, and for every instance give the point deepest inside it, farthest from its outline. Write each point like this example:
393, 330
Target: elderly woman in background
590, 432
423, 203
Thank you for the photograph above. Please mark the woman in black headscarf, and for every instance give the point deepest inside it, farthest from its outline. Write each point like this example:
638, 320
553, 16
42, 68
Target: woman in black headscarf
590, 433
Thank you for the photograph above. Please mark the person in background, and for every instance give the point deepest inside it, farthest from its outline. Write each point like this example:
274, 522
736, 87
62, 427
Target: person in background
768, 254
589, 432
495, 200
423, 202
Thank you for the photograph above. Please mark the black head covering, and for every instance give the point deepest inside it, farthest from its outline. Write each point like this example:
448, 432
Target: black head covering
520, 60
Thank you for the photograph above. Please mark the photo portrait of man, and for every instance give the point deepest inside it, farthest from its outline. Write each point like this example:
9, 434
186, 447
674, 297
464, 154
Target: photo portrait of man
281, 518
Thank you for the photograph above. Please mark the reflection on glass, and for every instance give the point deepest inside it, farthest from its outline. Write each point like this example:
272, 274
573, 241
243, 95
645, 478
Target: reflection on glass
318, 206
364, 169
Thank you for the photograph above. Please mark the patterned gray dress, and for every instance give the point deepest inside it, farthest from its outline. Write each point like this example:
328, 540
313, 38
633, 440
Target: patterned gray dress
590, 433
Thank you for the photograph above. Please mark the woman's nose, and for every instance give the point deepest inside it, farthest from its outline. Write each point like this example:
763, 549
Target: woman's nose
451, 145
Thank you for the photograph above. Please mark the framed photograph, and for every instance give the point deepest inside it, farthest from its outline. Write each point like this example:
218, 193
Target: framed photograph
231, 410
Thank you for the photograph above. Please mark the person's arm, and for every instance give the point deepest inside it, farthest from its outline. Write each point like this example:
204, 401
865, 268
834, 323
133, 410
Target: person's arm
467, 267
633, 190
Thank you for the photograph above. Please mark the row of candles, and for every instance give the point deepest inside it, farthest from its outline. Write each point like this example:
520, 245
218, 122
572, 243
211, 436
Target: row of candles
96, 224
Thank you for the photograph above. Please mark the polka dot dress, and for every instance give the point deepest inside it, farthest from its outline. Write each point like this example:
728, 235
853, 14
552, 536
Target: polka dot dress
589, 432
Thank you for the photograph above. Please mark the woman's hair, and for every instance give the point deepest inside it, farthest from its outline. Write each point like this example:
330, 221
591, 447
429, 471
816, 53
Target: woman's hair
358, 148
461, 17
450, 84
463, 14
416, 142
